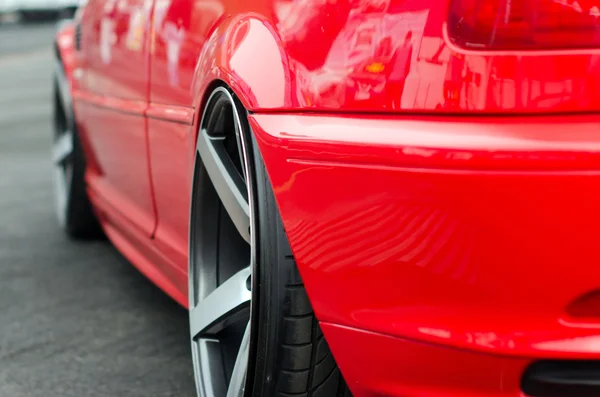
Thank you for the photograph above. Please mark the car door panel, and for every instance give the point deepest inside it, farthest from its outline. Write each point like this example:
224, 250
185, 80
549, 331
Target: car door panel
115, 76
172, 172
179, 30
118, 63
124, 181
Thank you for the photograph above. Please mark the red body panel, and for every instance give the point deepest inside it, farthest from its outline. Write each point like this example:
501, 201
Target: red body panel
112, 97
114, 40
172, 176
65, 48
441, 203
318, 53
475, 235
381, 365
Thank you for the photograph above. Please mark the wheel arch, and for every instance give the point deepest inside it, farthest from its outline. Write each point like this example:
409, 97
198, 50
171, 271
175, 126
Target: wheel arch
63, 66
245, 54
64, 48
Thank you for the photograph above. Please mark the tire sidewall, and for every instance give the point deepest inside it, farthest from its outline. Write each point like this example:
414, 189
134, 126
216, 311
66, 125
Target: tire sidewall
270, 277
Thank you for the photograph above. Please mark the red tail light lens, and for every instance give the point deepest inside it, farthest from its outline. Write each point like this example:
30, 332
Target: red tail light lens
524, 24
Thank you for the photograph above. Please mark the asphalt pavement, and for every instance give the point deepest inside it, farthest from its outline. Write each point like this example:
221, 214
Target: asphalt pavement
76, 319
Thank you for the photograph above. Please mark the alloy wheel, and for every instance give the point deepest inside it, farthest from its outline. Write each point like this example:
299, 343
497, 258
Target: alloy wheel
222, 252
62, 158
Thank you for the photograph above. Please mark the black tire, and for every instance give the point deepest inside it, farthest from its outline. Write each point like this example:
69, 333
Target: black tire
291, 348
283, 350
74, 212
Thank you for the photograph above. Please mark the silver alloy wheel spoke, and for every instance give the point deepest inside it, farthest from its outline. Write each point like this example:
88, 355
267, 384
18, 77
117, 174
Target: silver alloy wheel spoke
213, 376
222, 307
238, 377
228, 183
63, 148
222, 252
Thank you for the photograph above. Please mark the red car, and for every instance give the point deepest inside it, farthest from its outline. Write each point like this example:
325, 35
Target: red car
367, 197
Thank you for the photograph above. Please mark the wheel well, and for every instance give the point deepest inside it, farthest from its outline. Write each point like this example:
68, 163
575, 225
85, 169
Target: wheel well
205, 96
208, 91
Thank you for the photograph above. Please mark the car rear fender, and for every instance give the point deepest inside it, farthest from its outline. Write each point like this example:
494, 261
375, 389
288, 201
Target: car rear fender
246, 54
65, 56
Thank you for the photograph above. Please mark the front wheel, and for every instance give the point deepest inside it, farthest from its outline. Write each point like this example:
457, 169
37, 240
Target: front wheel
72, 206
253, 330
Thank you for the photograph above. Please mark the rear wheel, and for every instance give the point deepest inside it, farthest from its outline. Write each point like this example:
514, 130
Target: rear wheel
252, 326
72, 206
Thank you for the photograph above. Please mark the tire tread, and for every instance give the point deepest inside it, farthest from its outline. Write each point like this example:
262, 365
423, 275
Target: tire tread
308, 368
293, 359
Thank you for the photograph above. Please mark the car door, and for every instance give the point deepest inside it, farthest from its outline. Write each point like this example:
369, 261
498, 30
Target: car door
115, 77
179, 30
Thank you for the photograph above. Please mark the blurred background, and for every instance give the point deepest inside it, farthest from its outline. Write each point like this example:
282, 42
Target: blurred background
75, 318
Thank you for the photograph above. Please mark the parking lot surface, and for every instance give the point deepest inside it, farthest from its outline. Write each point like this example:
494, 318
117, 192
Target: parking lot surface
76, 319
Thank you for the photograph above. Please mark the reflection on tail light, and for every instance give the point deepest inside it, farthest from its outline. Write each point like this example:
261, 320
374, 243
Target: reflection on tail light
524, 24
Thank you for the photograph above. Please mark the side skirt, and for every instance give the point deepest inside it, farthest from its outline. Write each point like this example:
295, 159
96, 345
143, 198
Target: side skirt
140, 250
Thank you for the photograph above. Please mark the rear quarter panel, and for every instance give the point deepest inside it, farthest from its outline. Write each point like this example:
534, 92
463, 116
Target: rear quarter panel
342, 55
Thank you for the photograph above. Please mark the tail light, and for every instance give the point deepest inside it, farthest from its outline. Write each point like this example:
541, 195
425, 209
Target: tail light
524, 24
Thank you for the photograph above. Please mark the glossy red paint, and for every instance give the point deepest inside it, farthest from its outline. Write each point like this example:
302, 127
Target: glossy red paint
441, 202
118, 141
115, 38
139, 250
380, 365
356, 56
172, 179
467, 235
173, 114
111, 103
65, 48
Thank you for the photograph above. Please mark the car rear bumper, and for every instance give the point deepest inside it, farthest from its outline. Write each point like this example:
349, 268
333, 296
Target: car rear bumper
472, 234
376, 365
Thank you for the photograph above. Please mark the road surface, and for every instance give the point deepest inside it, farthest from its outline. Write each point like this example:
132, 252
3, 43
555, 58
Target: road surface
76, 320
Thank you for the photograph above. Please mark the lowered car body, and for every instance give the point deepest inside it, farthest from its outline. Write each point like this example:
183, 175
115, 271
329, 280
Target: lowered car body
438, 184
